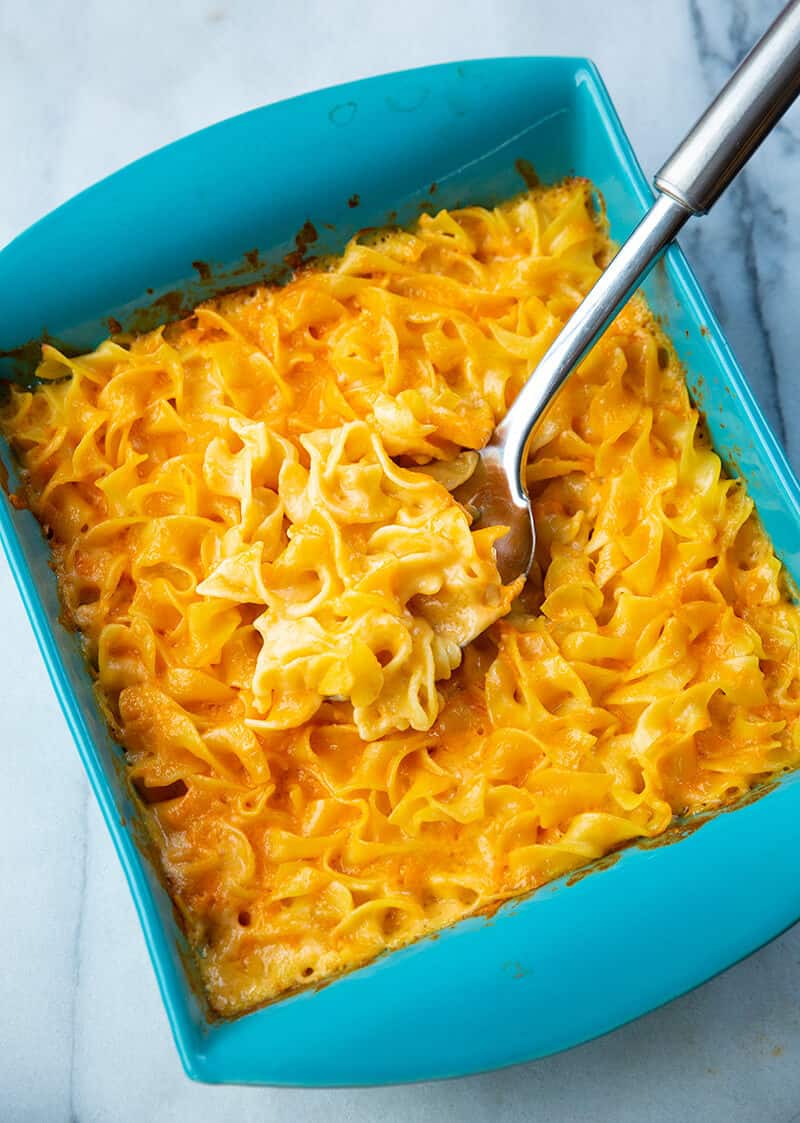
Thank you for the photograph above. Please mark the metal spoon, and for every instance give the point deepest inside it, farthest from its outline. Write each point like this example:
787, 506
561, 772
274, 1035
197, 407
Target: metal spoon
748, 107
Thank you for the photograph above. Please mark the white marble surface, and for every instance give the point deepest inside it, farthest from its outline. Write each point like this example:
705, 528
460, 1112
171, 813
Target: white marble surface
88, 85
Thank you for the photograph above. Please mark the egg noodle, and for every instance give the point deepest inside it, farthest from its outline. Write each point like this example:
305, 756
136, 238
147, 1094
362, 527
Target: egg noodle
345, 731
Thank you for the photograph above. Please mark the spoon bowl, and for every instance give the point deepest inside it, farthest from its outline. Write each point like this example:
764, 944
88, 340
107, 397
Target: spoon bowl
490, 497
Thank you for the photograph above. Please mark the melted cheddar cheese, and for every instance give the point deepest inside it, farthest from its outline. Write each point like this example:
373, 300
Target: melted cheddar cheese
346, 732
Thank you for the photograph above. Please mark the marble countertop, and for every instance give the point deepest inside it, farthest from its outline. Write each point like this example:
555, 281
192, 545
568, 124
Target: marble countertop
88, 87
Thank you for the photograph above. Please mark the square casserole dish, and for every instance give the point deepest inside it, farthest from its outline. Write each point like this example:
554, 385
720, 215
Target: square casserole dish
576, 958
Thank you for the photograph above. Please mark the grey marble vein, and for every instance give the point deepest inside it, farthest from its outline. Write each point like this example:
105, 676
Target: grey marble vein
753, 220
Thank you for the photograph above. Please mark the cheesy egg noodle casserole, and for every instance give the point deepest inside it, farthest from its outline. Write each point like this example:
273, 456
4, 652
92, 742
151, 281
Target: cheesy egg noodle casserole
344, 729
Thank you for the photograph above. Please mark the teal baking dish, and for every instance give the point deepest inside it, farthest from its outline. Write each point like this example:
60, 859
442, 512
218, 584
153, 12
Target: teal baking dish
577, 958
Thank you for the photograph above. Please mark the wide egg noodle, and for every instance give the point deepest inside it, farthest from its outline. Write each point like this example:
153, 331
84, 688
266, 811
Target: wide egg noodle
285, 611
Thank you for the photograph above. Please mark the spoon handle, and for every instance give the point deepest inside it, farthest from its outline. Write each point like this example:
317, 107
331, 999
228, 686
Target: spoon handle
747, 108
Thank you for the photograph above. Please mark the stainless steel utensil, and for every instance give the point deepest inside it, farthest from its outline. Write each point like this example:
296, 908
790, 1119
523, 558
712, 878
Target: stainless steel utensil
689, 183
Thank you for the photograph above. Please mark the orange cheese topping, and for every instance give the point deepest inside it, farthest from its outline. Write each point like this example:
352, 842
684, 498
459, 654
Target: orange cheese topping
287, 613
